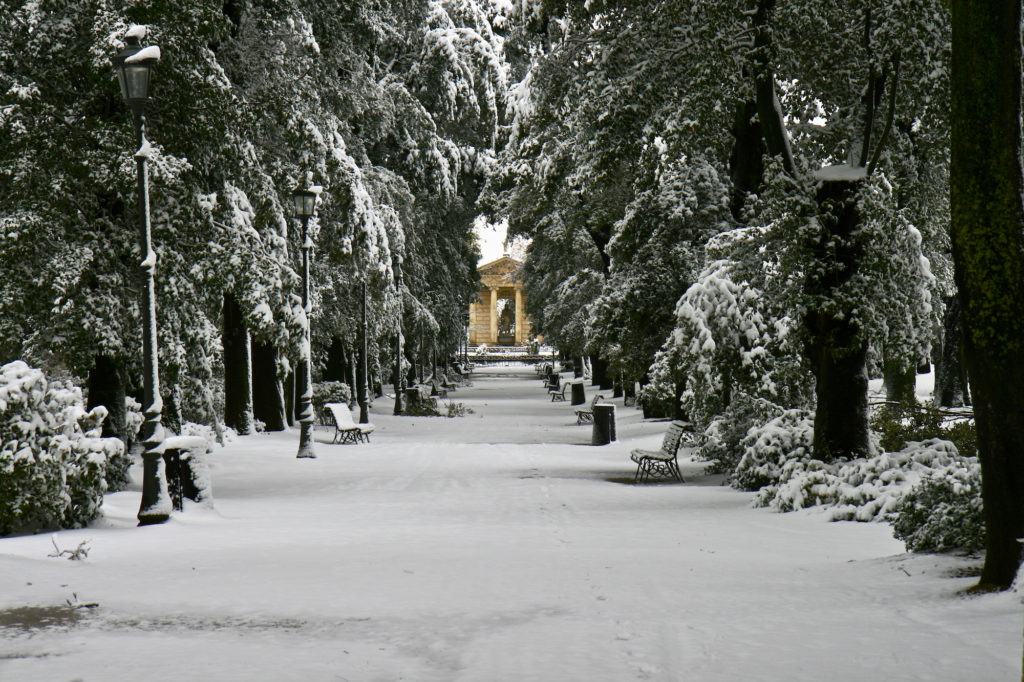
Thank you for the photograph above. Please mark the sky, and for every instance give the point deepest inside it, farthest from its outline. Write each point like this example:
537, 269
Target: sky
491, 238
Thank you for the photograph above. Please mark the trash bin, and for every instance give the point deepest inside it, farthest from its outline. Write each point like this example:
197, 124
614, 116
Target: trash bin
579, 395
604, 424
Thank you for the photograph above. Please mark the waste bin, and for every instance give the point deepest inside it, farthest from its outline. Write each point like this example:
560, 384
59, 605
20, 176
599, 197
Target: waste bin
579, 395
604, 424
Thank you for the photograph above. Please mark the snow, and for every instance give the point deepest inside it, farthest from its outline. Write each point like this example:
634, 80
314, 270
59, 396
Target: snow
495, 546
149, 52
841, 173
136, 31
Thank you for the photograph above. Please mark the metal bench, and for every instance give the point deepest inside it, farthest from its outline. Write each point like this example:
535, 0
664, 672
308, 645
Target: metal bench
585, 415
558, 395
345, 428
657, 464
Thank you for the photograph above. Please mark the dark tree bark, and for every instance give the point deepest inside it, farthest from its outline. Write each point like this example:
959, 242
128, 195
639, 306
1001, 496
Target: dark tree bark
746, 163
599, 372
577, 367
617, 388
950, 373
900, 381
289, 397
107, 388
268, 404
986, 182
334, 367
835, 348
237, 368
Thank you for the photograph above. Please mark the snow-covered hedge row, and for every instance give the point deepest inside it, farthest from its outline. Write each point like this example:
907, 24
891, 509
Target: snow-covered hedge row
52, 460
862, 489
928, 490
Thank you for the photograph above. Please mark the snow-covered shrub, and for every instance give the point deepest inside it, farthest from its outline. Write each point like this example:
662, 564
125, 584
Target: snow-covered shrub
330, 392
119, 463
722, 439
858, 490
896, 425
52, 460
944, 511
217, 433
767, 448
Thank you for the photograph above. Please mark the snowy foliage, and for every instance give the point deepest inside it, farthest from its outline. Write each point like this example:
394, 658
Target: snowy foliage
52, 460
944, 511
858, 490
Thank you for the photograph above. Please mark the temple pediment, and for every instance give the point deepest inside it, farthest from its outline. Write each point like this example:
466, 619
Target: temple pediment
501, 272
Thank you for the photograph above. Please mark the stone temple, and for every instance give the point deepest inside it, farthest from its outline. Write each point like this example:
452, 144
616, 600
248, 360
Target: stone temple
498, 317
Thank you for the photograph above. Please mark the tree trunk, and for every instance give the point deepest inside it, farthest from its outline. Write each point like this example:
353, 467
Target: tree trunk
237, 368
950, 375
599, 373
835, 347
900, 381
986, 183
268, 404
107, 388
577, 367
334, 367
617, 388
746, 163
289, 397
629, 391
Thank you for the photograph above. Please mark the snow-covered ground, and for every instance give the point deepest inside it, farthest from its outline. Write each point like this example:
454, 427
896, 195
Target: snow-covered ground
495, 546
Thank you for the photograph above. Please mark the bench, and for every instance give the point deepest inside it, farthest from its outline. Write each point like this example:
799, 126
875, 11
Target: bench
558, 396
655, 464
345, 428
585, 415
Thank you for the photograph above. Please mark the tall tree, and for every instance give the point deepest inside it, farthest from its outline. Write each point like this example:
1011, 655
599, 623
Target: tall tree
986, 188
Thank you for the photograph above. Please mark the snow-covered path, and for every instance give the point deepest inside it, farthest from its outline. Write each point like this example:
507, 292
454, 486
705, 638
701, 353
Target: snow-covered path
495, 546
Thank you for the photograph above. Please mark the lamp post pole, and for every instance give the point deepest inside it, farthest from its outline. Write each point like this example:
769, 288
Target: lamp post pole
363, 378
399, 379
304, 203
134, 66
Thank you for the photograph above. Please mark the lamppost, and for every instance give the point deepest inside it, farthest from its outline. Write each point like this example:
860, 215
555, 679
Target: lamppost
363, 391
399, 378
134, 66
304, 205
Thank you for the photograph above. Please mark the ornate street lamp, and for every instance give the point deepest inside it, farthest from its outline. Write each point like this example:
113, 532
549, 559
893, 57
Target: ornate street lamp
304, 206
134, 66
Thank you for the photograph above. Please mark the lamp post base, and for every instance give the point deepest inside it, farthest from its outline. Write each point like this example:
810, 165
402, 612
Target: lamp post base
306, 441
156, 502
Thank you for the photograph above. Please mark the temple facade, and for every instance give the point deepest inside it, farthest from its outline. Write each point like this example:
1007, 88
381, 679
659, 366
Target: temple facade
498, 317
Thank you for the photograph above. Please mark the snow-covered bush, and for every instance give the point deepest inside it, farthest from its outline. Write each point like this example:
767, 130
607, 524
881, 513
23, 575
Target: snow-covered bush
944, 511
861, 489
52, 460
119, 463
768, 448
330, 392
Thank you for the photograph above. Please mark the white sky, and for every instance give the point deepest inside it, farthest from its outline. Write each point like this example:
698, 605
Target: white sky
491, 238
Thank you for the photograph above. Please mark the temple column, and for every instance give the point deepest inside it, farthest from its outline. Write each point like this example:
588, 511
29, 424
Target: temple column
494, 316
519, 317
